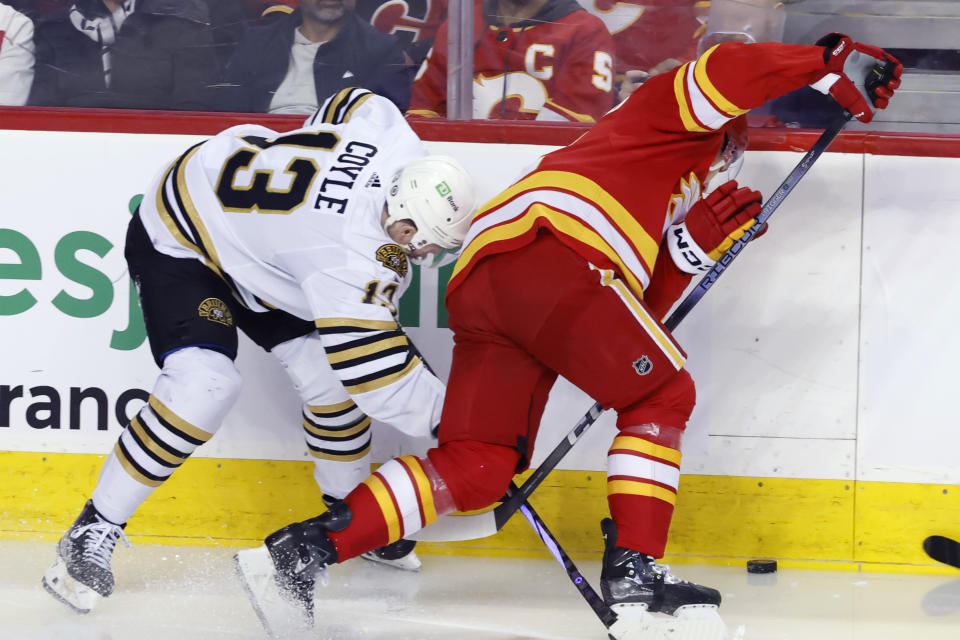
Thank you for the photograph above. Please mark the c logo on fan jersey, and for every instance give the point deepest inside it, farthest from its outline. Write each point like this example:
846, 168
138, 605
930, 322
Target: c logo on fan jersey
408, 16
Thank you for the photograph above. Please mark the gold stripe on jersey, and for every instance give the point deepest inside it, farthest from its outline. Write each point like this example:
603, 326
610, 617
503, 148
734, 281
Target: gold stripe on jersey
385, 501
168, 218
573, 115
560, 221
592, 193
643, 317
183, 196
348, 324
326, 409
133, 470
646, 447
148, 442
188, 213
594, 196
639, 488
708, 88
381, 381
177, 422
367, 349
680, 92
341, 107
337, 433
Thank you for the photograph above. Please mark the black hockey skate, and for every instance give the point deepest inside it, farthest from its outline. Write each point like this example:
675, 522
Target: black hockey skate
81, 573
632, 577
399, 554
280, 576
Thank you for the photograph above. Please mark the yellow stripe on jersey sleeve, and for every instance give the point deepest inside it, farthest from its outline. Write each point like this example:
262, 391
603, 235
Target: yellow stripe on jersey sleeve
680, 92
708, 88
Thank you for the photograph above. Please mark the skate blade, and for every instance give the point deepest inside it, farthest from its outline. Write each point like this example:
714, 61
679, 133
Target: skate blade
689, 622
280, 618
409, 562
62, 586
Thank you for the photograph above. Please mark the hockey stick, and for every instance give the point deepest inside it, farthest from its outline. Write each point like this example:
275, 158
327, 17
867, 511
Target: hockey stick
481, 525
943, 549
607, 615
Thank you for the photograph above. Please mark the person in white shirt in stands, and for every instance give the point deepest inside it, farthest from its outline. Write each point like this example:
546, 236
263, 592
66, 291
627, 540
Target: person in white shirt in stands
16, 56
293, 62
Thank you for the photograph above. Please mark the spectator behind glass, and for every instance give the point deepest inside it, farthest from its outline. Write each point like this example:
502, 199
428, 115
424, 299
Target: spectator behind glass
16, 56
292, 63
533, 60
140, 54
650, 36
414, 22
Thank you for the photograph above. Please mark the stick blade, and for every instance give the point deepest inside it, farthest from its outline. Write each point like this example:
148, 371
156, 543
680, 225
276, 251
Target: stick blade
943, 549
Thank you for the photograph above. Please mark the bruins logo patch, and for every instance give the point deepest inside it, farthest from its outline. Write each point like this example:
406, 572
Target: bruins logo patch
393, 257
215, 310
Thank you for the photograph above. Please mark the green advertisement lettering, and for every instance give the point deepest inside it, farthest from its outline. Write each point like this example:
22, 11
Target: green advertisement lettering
28, 268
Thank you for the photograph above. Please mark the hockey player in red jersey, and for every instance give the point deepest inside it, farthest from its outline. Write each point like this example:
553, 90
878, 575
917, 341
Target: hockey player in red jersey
569, 272
532, 60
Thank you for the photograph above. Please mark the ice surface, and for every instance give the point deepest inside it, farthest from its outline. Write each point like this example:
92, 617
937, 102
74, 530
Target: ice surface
190, 593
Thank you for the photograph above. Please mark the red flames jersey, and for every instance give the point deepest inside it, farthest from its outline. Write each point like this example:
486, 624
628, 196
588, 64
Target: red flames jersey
647, 32
611, 194
412, 20
556, 66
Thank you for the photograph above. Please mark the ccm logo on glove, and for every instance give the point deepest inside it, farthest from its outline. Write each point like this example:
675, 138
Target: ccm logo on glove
712, 225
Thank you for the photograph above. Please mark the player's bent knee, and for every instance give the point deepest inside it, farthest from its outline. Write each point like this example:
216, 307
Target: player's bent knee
671, 403
477, 473
199, 385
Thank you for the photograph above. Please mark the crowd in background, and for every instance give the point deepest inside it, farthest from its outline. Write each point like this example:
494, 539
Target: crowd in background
560, 60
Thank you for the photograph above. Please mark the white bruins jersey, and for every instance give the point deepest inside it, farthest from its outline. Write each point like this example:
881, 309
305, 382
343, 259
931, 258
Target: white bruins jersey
291, 221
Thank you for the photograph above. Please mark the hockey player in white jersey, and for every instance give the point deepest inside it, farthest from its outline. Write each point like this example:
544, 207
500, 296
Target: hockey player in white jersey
302, 241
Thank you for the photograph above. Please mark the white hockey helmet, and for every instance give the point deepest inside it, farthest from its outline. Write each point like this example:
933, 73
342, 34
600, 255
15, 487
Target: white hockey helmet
438, 195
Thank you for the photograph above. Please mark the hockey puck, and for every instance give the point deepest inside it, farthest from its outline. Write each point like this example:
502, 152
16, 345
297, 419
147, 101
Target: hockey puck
761, 566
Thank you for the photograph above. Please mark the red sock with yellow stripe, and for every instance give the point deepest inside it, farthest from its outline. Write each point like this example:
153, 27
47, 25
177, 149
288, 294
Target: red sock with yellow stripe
401, 497
643, 472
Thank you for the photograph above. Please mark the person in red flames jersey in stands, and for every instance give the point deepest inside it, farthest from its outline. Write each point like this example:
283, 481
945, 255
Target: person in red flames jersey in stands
533, 60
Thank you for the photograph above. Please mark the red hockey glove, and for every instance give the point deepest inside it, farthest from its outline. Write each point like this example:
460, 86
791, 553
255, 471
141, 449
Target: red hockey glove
712, 225
852, 77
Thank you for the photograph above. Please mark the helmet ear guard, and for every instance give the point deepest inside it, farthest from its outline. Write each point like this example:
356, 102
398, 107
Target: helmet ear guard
438, 195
